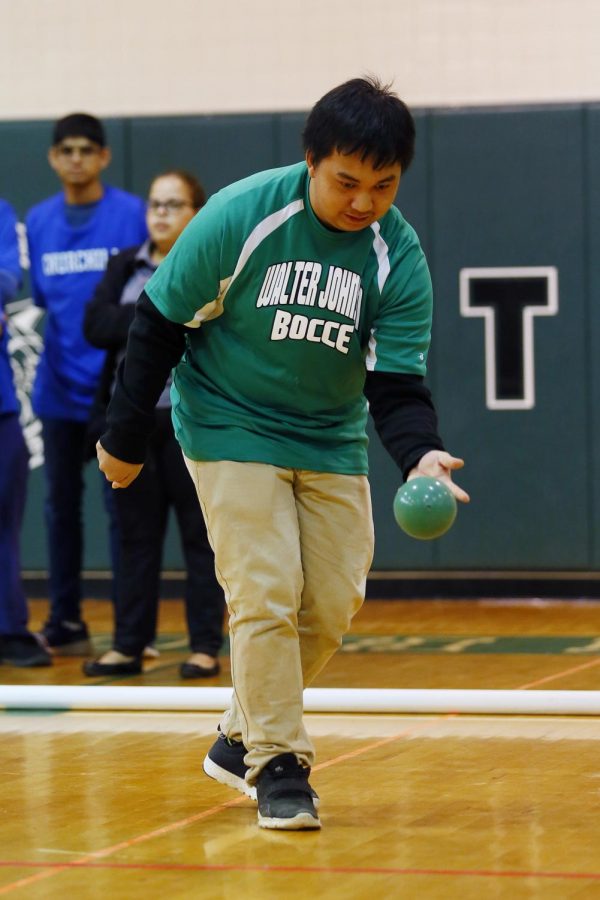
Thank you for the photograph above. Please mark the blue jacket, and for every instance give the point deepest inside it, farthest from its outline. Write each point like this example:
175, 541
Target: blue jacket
66, 265
10, 280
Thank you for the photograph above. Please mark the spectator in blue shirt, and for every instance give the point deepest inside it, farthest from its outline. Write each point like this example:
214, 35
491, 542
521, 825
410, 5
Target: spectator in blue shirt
71, 237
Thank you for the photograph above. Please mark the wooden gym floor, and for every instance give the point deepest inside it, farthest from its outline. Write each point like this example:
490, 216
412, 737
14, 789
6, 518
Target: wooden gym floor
115, 805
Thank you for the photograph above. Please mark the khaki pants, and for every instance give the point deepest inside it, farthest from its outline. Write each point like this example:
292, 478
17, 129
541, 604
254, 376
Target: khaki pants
292, 553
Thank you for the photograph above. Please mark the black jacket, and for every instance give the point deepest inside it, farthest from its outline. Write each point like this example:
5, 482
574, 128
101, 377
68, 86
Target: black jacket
105, 325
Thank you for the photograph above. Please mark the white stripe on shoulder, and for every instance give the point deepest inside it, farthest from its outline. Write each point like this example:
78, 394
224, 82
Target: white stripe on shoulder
382, 254
257, 235
263, 230
371, 360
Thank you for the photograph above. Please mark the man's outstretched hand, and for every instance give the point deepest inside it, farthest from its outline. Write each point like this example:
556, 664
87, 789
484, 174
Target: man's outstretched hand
439, 464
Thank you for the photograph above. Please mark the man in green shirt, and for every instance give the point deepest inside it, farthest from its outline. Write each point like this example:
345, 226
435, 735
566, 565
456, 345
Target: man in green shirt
291, 299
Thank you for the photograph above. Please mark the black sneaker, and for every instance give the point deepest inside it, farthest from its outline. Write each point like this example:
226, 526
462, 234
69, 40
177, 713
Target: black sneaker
67, 638
284, 795
23, 650
225, 763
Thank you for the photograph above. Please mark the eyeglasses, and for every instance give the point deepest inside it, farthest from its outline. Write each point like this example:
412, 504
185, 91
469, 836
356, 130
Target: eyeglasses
85, 150
169, 206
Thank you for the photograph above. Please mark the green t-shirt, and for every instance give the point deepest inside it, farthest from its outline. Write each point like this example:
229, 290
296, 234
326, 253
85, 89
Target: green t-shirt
289, 316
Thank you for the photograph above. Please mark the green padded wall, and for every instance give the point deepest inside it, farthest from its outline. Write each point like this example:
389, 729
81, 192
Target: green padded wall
488, 188
508, 189
591, 387
217, 149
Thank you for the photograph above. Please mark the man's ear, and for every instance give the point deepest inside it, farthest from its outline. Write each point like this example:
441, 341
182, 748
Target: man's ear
52, 159
310, 163
105, 157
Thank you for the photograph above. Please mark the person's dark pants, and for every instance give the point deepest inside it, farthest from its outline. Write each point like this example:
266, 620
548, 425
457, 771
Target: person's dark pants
64, 443
142, 513
14, 467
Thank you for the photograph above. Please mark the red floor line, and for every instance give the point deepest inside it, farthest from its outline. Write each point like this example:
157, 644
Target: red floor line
563, 674
51, 869
334, 870
415, 726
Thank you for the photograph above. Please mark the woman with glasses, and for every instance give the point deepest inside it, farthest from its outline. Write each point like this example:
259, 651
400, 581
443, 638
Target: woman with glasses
174, 198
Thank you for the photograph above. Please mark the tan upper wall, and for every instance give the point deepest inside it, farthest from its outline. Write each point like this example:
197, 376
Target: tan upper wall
126, 57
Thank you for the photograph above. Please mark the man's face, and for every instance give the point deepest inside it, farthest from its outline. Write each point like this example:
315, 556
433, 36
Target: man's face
78, 161
347, 193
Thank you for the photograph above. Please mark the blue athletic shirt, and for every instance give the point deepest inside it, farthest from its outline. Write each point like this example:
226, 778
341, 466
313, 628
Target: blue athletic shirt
66, 265
10, 278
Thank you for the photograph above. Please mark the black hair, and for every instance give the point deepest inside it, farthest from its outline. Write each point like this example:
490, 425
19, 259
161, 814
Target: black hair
361, 116
79, 125
197, 192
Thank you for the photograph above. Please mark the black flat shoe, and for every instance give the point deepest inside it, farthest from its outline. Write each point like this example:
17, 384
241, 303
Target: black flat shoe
190, 670
93, 668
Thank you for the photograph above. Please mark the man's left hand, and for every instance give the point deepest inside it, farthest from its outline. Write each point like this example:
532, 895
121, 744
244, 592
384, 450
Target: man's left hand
439, 464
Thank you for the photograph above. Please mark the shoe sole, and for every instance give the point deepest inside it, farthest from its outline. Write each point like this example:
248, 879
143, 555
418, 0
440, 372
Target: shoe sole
228, 778
29, 663
302, 822
109, 671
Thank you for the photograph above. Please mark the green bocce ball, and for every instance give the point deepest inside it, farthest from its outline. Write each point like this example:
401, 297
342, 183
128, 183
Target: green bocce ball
424, 508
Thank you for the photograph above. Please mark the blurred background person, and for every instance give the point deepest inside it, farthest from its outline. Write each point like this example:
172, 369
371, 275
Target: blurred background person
18, 646
142, 511
71, 236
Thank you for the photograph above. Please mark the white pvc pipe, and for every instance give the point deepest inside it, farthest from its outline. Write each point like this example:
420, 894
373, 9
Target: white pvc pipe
330, 700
